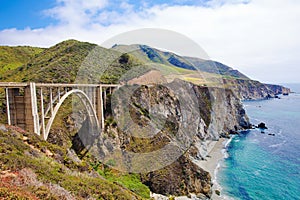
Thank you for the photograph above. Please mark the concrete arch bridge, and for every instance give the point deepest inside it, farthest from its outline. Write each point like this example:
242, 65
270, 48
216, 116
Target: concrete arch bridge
34, 106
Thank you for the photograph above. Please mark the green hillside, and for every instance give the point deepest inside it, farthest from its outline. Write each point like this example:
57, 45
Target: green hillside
216, 67
189, 64
64, 61
55, 64
71, 59
13, 57
34, 169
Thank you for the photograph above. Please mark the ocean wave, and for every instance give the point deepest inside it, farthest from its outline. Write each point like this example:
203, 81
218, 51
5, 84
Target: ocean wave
277, 145
227, 142
257, 172
225, 197
254, 141
217, 185
279, 132
215, 176
225, 153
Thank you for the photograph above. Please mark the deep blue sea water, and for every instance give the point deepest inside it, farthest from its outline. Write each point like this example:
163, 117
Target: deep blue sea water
260, 166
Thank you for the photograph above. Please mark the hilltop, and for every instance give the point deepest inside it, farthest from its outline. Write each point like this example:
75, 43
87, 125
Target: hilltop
149, 54
202, 72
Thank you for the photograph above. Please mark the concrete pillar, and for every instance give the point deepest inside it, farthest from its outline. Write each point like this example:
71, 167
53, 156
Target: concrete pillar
43, 116
51, 102
99, 106
104, 98
15, 107
31, 111
20, 111
7, 106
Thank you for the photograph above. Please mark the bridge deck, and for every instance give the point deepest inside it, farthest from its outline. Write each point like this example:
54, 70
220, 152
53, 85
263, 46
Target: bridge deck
13, 84
18, 85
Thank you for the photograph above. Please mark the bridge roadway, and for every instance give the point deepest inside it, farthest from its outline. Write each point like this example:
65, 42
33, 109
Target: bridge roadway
33, 106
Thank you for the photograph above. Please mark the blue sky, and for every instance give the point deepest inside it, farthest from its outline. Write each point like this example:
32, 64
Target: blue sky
21, 14
25, 13
258, 37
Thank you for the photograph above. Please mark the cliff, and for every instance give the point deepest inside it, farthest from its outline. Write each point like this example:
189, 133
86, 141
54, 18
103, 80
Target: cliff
253, 90
190, 125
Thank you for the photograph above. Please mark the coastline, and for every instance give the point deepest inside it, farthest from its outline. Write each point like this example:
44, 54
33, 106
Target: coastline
212, 163
215, 155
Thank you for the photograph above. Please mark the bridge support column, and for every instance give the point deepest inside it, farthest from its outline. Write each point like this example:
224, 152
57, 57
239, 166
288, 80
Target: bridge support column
15, 107
11, 105
7, 96
31, 110
43, 126
99, 106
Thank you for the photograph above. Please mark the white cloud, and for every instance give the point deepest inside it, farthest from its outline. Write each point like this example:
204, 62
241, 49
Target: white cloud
217, 3
76, 12
260, 38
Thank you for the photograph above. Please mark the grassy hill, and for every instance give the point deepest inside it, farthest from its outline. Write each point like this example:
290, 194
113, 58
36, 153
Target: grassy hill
13, 57
218, 68
55, 64
68, 60
188, 65
64, 61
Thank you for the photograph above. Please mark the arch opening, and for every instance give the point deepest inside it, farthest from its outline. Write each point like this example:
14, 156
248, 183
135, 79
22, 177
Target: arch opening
87, 104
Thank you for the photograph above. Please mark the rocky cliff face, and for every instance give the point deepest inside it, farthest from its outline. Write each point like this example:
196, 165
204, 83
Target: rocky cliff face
252, 90
188, 124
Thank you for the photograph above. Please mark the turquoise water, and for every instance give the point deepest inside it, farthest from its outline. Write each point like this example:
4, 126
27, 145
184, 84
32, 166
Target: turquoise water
260, 166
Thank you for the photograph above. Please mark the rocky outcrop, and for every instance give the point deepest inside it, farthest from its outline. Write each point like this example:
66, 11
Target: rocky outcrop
202, 114
253, 90
182, 177
225, 116
277, 89
262, 126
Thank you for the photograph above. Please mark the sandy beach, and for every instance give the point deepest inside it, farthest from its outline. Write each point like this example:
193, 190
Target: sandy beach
214, 156
211, 163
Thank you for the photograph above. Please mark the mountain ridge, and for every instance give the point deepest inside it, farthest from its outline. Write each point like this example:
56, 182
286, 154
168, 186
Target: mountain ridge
186, 62
227, 77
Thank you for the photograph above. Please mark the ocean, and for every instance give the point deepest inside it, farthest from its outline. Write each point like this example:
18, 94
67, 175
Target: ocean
260, 166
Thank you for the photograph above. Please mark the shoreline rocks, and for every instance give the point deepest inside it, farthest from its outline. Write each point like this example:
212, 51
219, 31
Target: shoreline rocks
262, 125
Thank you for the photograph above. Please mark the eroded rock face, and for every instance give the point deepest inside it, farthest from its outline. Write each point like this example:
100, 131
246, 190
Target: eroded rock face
182, 177
188, 123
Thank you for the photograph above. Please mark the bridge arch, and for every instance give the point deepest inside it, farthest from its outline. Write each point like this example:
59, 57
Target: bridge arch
88, 105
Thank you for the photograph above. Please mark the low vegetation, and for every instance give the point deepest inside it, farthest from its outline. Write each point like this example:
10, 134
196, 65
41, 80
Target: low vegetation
48, 171
13, 57
130, 181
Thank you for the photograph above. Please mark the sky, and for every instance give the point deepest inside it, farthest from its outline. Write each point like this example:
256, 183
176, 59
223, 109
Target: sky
260, 38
